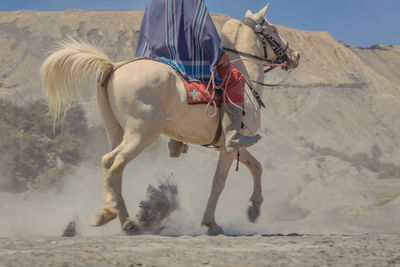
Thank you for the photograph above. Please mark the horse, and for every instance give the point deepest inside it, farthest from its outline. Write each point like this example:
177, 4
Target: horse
142, 99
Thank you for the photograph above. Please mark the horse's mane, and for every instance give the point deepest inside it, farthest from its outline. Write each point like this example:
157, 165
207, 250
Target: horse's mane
229, 33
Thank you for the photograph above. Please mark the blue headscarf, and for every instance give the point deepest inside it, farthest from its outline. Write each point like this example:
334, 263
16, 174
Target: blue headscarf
181, 34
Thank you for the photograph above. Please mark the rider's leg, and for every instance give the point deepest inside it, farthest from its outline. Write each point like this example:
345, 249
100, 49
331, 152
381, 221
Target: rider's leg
176, 148
231, 111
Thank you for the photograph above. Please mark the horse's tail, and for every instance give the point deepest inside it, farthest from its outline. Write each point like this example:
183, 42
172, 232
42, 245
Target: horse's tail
73, 65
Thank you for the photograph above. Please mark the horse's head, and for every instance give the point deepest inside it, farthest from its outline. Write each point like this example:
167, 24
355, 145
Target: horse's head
275, 48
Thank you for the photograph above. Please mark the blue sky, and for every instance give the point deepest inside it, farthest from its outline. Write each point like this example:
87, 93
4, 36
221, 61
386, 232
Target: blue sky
357, 22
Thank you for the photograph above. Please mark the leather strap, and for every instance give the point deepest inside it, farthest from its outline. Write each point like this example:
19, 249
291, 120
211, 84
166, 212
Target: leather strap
255, 94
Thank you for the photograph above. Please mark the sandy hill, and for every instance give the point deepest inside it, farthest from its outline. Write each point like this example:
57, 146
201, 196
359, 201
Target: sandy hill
331, 131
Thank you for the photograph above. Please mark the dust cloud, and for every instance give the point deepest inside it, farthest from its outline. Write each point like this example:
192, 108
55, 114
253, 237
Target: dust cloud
293, 201
150, 189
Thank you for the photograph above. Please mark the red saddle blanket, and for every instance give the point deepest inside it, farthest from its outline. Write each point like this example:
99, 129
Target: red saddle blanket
197, 92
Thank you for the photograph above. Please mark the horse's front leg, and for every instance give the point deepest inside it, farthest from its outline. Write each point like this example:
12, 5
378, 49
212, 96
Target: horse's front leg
224, 164
256, 170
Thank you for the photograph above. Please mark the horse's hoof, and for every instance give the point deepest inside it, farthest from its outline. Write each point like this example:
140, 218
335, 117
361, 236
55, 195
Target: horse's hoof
215, 230
131, 228
253, 212
102, 218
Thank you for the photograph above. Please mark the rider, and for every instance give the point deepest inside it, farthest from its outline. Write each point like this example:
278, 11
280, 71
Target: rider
182, 34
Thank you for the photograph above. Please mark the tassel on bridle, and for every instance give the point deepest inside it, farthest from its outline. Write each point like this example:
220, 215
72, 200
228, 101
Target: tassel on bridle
238, 159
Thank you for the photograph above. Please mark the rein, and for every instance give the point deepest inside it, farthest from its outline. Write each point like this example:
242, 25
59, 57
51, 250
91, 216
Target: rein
270, 62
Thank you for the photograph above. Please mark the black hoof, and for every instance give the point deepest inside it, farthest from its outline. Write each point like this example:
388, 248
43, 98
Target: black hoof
215, 230
253, 213
131, 228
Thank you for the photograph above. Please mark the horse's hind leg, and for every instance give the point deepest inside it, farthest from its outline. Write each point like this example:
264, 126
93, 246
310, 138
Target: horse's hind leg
115, 134
135, 140
256, 170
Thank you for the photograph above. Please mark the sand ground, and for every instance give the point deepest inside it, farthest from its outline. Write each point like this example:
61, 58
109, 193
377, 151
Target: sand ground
308, 250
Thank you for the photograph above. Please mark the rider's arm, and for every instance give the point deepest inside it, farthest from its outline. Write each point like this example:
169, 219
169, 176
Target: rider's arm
224, 61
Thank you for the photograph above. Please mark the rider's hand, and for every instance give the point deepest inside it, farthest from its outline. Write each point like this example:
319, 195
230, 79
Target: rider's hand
224, 61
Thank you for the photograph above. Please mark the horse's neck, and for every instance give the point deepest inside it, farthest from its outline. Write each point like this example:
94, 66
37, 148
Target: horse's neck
236, 35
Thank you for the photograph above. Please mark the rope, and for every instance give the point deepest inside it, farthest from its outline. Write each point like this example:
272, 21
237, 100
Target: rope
224, 86
225, 96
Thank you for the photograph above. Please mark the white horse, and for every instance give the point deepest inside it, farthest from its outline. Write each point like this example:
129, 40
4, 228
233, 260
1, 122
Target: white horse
145, 98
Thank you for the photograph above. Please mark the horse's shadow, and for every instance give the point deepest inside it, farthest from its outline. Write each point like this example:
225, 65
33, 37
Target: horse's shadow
236, 235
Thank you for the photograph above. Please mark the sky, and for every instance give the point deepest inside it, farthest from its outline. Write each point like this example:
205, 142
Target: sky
356, 22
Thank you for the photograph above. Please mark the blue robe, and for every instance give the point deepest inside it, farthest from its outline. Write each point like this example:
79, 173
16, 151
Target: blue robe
182, 34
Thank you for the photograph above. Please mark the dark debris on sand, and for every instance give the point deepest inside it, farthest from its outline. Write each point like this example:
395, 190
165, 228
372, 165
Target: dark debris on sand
160, 202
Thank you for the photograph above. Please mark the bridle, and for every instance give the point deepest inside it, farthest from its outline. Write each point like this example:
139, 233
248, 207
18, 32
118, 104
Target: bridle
266, 37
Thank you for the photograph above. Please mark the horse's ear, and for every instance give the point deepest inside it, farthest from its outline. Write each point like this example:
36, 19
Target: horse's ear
248, 13
263, 11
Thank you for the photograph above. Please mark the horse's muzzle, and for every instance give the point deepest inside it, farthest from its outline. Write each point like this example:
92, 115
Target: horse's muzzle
293, 59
